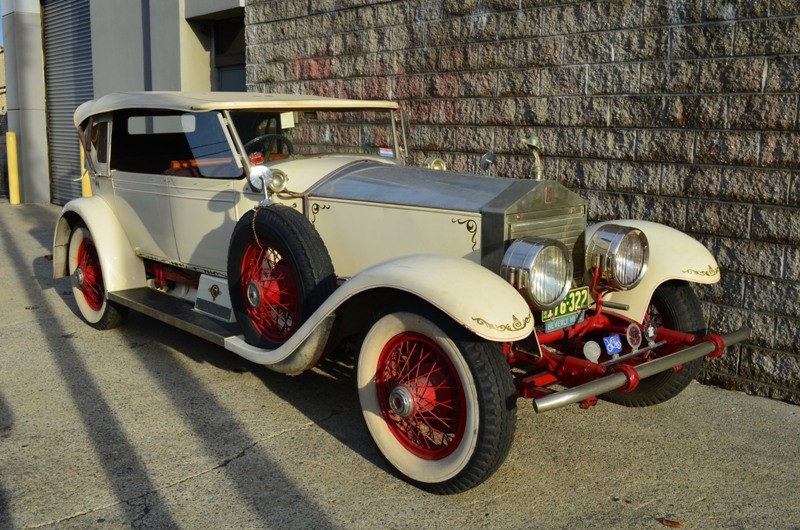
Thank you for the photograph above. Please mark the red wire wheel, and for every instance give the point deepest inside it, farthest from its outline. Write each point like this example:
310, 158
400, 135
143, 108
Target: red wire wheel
270, 290
88, 286
421, 396
91, 275
279, 273
438, 402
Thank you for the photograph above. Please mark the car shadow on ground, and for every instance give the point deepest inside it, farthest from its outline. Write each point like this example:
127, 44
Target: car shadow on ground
326, 392
140, 498
325, 395
6, 425
324, 401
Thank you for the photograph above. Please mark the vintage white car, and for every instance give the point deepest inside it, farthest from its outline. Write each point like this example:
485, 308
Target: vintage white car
279, 226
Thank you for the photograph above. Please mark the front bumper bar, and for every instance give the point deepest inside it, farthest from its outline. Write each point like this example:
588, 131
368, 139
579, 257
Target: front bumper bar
620, 380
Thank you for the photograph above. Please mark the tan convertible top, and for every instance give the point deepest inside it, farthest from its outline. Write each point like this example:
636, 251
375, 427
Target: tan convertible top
204, 101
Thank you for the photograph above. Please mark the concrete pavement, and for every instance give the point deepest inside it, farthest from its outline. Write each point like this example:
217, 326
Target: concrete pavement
147, 426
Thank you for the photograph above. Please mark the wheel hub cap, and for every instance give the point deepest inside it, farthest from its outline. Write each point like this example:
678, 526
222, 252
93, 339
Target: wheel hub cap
78, 278
253, 295
401, 401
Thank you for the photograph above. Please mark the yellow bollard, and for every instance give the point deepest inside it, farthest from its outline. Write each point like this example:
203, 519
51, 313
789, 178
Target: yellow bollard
86, 184
13, 168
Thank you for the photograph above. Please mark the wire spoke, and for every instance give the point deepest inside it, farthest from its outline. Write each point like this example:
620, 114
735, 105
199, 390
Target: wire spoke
435, 426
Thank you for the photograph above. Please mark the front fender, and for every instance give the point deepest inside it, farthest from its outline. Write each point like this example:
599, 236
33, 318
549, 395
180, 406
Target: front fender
122, 268
673, 256
470, 294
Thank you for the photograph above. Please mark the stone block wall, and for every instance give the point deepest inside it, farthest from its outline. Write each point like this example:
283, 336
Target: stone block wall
683, 112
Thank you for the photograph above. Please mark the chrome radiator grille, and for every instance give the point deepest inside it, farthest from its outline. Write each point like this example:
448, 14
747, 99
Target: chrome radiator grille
564, 224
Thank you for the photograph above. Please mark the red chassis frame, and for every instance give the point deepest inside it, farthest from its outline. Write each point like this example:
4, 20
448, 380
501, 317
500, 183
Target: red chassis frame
534, 373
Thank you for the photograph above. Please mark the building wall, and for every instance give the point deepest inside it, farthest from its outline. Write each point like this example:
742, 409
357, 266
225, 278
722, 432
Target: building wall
3, 126
676, 111
3, 102
136, 45
147, 45
26, 102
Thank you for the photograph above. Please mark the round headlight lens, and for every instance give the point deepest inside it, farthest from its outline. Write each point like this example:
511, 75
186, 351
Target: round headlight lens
434, 162
539, 269
621, 252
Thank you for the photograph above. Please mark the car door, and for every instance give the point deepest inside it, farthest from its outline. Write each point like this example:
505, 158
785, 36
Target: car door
139, 158
203, 216
202, 194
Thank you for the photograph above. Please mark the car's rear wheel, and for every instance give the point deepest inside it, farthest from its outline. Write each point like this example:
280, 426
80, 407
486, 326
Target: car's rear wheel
438, 402
279, 273
87, 282
674, 305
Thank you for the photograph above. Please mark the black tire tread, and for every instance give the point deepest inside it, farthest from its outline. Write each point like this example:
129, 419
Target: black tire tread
498, 416
300, 241
114, 316
496, 399
680, 310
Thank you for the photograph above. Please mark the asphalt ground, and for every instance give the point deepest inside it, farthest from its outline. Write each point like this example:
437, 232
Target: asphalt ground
147, 426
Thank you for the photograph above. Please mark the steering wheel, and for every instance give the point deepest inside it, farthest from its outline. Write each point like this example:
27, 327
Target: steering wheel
268, 141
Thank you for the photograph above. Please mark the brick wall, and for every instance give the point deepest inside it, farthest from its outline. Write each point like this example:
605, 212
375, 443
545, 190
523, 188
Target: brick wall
683, 112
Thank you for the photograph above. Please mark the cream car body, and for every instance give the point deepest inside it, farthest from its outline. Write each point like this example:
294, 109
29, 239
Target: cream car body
673, 256
187, 221
282, 226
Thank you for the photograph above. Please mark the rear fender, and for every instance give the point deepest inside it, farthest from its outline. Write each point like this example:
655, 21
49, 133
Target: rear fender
673, 256
472, 295
122, 269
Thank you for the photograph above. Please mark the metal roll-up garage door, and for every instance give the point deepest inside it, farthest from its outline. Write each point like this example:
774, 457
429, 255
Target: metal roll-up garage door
68, 83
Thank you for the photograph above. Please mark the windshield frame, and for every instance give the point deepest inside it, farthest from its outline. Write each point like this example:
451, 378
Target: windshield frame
397, 157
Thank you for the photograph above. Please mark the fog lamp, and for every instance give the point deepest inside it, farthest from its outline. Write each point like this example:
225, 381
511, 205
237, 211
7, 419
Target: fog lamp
433, 162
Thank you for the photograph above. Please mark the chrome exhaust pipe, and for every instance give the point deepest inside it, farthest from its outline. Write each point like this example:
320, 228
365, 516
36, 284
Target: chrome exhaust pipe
618, 380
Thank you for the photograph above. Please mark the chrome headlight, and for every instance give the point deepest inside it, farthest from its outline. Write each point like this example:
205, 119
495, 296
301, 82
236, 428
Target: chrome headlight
434, 162
274, 179
621, 252
539, 269
278, 182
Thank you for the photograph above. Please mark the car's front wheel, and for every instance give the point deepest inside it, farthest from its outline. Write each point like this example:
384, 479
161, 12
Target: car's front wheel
87, 282
438, 402
674, 305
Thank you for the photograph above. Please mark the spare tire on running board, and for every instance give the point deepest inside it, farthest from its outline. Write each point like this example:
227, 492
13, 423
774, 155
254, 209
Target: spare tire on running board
279, 273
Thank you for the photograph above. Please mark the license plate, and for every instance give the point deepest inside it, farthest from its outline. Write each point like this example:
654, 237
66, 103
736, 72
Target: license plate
569, 312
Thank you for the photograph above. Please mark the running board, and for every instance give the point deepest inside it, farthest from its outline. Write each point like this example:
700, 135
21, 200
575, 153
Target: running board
175, 312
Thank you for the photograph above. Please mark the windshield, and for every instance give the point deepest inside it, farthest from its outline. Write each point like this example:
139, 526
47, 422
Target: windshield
270, 136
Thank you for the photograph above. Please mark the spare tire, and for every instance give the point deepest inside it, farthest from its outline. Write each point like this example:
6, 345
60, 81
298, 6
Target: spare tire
279, 273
